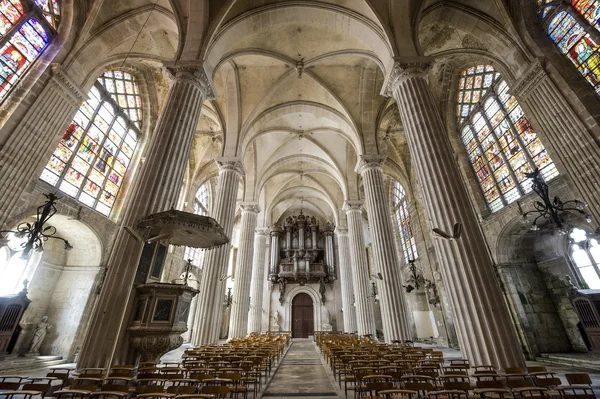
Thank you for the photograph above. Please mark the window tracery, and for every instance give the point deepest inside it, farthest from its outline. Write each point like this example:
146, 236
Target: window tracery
407, 237
574, 29
201, 207
26, 29
95, 152
501, 143
585, 254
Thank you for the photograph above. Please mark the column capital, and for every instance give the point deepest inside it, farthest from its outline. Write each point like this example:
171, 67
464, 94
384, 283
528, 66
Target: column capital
232, 164
529, 80
369, 162
275, 230
250, 207
404, 68
353, 206
341, 231
262, 231
67, 85
194, 73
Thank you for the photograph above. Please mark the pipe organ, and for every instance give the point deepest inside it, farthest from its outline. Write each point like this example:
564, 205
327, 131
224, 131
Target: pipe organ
302, 251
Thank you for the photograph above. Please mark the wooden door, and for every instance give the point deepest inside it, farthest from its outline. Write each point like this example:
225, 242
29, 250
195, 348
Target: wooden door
302, 316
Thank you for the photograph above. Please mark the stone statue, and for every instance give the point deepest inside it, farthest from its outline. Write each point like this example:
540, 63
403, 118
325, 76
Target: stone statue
282, 284
326, 319
322, 289
276, 321
38, 336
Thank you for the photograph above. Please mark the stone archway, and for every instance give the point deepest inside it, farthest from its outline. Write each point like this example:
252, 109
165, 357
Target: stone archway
318, 307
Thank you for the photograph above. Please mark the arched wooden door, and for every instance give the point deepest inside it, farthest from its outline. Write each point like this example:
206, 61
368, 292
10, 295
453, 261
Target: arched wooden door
303, 323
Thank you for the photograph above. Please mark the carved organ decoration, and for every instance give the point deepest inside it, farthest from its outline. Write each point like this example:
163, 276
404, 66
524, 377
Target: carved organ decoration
305, 251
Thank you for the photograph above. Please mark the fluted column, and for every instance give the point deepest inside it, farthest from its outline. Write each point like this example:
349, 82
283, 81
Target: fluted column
238, 325
385, 257
209, 310
365, 317
276, 232
28, 144
486, 332
156, 189
566, 137
258, 281
345, 273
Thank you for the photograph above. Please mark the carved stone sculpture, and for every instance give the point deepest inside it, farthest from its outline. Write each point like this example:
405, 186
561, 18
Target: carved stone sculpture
38, 336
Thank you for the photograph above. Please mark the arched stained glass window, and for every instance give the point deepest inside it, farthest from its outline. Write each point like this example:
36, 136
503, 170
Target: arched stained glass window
501, 143
585, 254
201, 207
26, 28
407, 238
571, 28
94, 153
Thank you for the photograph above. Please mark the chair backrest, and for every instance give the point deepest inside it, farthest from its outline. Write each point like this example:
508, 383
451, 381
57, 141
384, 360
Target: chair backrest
419, 386
219, 391
9, 386
536, 369
521, 383
548, 382
457, 385
379, 386
181, 390
84, 387
115, 388
149, 389
579, 379
514, 370
490, 384
36, 387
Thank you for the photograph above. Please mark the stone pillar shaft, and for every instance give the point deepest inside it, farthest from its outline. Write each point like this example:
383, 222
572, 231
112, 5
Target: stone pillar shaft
209, 310
238, 326
385, 257
38, 132
567, 139
156, 190
345, 272
487, 335
258, 281
365, 317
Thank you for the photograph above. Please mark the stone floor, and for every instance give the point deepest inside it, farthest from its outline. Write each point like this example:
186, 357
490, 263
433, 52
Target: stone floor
301, 375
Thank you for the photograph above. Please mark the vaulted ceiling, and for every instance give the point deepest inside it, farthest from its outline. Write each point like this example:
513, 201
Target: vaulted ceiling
299, 84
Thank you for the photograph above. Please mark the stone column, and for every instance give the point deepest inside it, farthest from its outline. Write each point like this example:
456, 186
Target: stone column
209, 310
486, 332
385, 258
238, 325
258, 281
276, 232
38, 132
365, 317
345, 272
156, 189
562, 132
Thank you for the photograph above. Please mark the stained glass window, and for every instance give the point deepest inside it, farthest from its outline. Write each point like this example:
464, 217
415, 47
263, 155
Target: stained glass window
23, 37
95, 151
572, 37
407, 238
585, 254
501, 143
201, 207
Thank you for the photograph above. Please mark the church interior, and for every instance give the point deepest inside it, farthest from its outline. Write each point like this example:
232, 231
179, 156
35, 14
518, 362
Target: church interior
300, 198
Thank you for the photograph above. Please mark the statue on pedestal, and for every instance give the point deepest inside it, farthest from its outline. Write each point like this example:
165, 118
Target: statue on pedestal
276, 321
38, 336
325, 319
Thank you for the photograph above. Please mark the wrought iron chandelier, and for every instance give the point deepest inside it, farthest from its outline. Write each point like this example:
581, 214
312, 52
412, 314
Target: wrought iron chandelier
416, 278
37, 232
550, 209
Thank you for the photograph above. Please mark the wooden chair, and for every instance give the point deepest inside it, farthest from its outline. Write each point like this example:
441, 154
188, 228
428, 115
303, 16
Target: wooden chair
494, 393
397, 394
76, 391
11, 382
18, 394
575, 392
40, 387
217, 391
448, 394
579, 379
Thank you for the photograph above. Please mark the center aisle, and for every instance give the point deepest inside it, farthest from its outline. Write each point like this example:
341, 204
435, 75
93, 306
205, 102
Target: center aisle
301, 374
